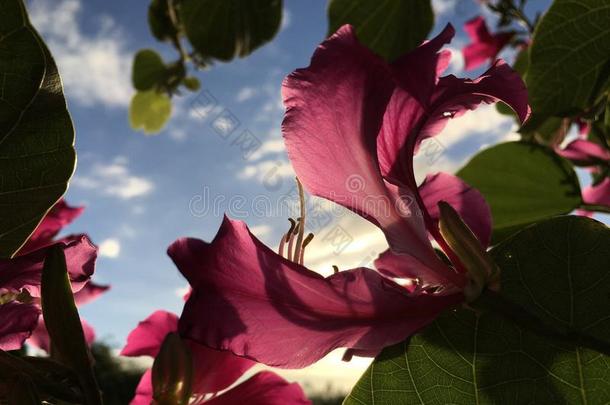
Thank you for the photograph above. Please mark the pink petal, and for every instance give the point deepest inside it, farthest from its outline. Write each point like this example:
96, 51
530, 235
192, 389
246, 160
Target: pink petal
24, 272
214, 370
330, 146
404, 266
417, 71
585, 153
405, 125
144, 390
17, 321
484, 46
466, 200
253, 302
477, 30
147, 337
264, 388
599, 194
90, 292
59, 216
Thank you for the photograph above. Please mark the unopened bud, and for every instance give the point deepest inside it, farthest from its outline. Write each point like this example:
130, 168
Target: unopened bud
466, 246
172, 372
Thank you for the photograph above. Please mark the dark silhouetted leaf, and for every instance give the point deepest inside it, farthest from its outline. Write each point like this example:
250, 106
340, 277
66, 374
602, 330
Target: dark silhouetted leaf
390, 27
37, 155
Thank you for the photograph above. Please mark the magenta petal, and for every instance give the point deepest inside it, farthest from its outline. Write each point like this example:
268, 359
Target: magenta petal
334, 112
24, 272
144, 390
585, 153
58, 217
147, 337
599, 194
484, 46
251, 301
214, 370
404, 266
90, 292
466, 200
17, 321
264, 388
417, 71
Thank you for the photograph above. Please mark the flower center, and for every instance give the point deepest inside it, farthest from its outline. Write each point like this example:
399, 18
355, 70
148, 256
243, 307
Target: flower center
293, 240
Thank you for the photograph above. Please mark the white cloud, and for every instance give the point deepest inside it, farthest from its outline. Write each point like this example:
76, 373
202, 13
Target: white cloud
286, 19
261, 230
245, 94
443, 7
114, 180
110, 248
267, 170
95, 68
274, 146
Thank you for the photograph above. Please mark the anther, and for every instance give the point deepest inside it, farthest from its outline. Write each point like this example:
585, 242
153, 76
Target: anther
306, 241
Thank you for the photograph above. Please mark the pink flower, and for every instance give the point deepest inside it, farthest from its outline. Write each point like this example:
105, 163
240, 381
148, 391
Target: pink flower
214, 371
597, 158
350, 116
20, 277
484, 46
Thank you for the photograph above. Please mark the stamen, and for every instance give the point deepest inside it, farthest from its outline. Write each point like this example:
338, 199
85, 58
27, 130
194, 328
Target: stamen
335, 269
290, 254
297, 249
280, 250
305, 243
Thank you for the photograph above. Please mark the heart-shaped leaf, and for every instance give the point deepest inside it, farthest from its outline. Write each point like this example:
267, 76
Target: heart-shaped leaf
390, 28
149, 111
569, 56
522, 183
37, 155
224, 29
148, 70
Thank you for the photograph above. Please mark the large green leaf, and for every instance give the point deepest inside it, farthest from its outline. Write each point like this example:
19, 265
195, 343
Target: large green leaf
468, 358
388, 27
569, 55
63, 324
523, 183
558, 272
224, 29
37, 155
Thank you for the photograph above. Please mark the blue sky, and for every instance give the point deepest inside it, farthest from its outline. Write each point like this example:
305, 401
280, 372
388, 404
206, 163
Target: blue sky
143, 192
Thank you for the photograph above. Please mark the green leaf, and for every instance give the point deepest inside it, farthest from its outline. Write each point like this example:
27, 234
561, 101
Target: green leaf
470, 358
523, 183
224, 29
149, 111
159, 21
148, 70
569, 56
37, 155
557, 271
64, 325
390, 28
